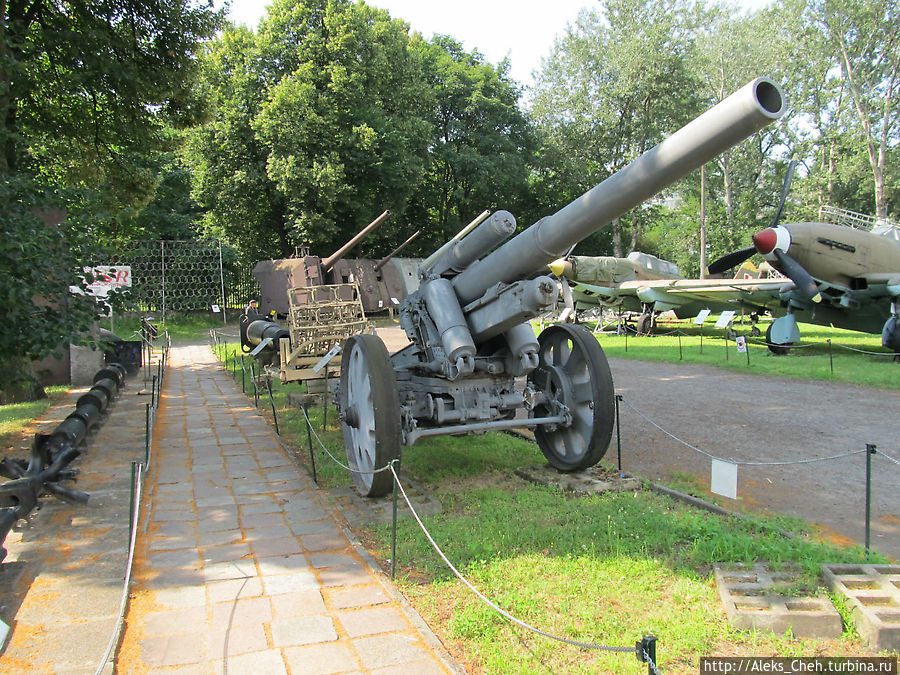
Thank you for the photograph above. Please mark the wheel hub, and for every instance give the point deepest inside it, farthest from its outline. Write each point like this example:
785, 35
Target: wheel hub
350, 416
556, 385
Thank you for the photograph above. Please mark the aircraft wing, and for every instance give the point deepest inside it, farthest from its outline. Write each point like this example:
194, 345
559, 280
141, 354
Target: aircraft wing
666, 294
724, 290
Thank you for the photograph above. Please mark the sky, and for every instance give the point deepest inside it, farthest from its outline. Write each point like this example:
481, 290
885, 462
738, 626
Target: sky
524, 30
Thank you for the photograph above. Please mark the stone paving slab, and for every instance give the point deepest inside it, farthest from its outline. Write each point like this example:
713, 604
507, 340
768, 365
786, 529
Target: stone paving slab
873, 592
241, 566
752, 600
360, 510
61, 583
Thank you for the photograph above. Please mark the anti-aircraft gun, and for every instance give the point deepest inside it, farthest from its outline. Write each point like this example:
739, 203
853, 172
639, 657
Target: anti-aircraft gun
468, 322
277, 277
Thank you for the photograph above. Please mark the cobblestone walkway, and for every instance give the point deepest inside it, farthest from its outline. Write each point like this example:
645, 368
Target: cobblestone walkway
239, 567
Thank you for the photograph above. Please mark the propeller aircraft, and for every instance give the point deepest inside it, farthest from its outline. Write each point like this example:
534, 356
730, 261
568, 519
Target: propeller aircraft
833, 274
842, 276
645, 284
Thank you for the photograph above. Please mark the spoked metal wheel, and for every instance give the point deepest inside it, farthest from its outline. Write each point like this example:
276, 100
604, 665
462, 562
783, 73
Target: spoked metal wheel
370, 413
574, 374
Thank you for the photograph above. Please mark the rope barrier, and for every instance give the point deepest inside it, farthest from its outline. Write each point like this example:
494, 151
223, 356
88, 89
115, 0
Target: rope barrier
792, 345
766, 343
862, 351
888, 457
335, 459
123, 602
135, 509
471, 587
468, 584
742, 463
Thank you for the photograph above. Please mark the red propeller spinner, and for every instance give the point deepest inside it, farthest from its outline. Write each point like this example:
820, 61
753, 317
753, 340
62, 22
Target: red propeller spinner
769, 239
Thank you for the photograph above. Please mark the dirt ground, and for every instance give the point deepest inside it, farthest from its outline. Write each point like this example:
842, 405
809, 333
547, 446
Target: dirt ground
755, 418
769, 419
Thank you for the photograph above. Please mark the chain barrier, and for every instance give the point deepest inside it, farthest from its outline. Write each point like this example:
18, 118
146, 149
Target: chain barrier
808, 460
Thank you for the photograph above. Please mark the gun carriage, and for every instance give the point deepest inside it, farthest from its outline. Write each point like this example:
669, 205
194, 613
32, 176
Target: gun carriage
474, 364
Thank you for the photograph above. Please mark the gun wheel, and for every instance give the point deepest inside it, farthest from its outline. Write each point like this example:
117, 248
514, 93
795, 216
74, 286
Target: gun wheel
573, 371
370, 413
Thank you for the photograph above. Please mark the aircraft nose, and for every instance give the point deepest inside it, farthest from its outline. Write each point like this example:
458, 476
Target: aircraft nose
765, 240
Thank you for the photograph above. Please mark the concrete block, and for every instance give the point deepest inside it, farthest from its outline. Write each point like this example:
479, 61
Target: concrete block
83, 363
592, 481
873, 593
752, 601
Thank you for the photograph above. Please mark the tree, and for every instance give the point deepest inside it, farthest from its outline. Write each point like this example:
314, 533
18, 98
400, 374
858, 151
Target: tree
613, 85
481, 142
88, 93
319, 125
865, 39
242, 204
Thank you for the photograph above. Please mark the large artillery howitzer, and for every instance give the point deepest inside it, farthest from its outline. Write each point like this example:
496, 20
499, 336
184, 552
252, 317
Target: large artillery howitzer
468, 322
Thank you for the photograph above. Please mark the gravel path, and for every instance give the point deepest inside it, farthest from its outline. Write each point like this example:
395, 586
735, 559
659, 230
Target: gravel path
756, 418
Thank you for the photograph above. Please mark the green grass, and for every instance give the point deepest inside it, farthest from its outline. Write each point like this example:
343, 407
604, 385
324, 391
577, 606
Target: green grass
814, 359
605, 569
182, 327
14, 417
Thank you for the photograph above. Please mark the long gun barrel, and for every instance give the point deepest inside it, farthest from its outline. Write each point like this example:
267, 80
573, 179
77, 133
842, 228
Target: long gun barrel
737, 117
384, 261
329, 262
434, 257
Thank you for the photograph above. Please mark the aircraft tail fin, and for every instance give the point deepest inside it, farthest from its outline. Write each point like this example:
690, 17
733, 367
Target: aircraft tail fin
748, 271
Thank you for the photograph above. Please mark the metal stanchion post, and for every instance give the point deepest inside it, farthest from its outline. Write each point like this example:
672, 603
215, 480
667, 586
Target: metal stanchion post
312, 455
272, 402
618, 436
646, 653
726, 348
394, 520
830, 357
325, 402
870, 450
131, 501
680, 353
147, 436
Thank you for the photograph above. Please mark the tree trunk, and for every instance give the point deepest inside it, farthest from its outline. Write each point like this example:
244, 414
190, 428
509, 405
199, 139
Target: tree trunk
19, 383
725, 165
617, 238
703, 264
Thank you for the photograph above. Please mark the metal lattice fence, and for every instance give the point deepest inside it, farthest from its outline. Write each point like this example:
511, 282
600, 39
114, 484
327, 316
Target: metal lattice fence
181, 275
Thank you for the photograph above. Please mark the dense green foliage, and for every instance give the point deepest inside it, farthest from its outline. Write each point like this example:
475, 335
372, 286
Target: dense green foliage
331, 113
90, 95
300, 132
